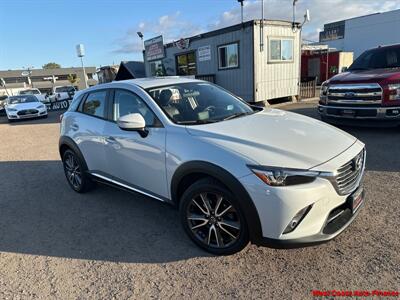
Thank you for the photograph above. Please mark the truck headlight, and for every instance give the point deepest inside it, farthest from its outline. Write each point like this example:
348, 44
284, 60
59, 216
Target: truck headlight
394, 91
283, 177
324, 88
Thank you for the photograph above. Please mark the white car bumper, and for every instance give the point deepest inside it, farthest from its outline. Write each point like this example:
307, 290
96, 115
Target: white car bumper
277, 206
33, 113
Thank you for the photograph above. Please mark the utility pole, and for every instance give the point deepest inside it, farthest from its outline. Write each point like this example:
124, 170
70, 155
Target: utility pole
241, 9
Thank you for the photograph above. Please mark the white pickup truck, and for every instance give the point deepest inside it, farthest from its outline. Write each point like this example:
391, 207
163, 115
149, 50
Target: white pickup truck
33, 91
64, 92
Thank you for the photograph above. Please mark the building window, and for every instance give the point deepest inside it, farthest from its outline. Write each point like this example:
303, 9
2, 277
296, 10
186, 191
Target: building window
157, 68
280, 50
228, 56
186, 64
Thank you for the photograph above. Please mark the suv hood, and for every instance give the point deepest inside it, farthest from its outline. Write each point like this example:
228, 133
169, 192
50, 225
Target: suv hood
366, 76
277, 138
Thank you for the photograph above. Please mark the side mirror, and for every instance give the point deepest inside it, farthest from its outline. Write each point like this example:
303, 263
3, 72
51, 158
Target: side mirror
133, 122
344, 69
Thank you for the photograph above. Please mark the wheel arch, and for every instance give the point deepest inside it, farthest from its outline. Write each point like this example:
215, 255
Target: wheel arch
192, 171
66, 143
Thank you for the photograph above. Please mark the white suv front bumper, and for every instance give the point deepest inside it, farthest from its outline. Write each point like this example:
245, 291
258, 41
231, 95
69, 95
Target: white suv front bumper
276, 206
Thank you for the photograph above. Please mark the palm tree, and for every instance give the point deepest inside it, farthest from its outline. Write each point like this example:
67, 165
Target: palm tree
73, 79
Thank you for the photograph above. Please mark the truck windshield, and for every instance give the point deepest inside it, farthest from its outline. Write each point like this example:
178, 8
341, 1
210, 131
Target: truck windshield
64, 89
198, 103
377, 59
29, 92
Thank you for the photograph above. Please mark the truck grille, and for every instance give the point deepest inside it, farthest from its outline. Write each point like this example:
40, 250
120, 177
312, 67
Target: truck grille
349, 175
354, 94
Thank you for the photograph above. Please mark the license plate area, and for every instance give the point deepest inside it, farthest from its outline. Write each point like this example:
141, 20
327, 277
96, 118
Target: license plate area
356, 199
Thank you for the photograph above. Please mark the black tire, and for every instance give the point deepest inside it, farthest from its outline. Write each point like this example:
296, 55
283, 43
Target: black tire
211, 232
76, 173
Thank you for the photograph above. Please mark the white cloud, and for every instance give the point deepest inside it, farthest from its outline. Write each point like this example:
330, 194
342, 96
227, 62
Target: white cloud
174, 27
321, 11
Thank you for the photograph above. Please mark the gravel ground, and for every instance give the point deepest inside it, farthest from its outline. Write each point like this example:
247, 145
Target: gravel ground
110, 244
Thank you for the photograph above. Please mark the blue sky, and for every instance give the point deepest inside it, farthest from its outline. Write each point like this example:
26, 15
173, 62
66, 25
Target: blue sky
35, 32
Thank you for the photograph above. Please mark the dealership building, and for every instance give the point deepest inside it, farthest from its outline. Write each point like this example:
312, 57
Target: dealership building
361, 33
256, 60
16, 80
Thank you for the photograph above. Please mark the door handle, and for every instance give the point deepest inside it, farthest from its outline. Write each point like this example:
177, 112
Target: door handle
74, 127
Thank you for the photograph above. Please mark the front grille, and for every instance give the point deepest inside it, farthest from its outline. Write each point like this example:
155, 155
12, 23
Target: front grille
355, 93
349, 175
357, 113
27, 112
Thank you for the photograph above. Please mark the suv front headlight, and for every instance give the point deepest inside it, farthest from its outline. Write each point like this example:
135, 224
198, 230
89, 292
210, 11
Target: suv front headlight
394, 91
283, 176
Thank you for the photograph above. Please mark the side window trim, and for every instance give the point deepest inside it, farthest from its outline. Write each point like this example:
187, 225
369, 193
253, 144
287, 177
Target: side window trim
158, 124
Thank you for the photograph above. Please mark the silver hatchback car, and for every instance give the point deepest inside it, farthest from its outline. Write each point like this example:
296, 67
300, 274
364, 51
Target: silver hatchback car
237, 173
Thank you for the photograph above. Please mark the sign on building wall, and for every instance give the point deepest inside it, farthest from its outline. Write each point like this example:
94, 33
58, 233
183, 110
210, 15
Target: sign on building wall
332, 31
154, 48
204, 53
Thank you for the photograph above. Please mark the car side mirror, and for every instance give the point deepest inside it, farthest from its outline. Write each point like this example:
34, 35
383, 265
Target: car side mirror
133, 122
344, 69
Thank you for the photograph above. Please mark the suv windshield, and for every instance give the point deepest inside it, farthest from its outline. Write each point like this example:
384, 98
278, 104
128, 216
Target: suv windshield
22, 99
380, 58
198, 103
29, 92
64, 89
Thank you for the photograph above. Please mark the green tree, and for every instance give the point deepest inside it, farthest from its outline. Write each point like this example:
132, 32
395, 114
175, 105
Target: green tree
51, 65
73, 79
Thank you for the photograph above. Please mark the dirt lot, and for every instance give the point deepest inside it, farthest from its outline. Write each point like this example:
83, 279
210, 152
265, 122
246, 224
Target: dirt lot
109, 244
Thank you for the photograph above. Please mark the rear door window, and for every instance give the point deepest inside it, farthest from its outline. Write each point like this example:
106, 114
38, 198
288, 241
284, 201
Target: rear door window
95, 104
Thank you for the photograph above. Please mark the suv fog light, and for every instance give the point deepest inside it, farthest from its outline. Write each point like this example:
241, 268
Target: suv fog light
297, 219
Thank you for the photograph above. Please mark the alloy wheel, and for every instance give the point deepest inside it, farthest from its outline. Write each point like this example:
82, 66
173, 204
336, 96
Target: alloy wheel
73, 171
213, 220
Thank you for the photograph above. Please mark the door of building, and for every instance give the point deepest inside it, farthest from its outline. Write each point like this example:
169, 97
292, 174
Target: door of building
186, 64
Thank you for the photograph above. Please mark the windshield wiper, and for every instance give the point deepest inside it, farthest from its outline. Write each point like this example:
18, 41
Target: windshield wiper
194, 122
237, 115
359, 69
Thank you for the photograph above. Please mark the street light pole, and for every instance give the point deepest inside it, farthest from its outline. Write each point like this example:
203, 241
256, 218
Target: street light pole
80, 51
84, 73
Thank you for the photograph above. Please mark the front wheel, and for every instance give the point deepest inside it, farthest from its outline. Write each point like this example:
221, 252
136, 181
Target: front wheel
213, 219
75, 172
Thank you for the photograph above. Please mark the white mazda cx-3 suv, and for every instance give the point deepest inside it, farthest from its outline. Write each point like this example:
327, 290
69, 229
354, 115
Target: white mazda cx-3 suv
237, 173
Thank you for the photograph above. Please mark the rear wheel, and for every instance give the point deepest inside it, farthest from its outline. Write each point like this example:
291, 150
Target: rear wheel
75, 172
212, 217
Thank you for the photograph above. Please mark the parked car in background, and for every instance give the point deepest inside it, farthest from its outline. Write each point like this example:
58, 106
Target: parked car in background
237, 173
368, 90
66, 92
24, 107
3, 101
36, 92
